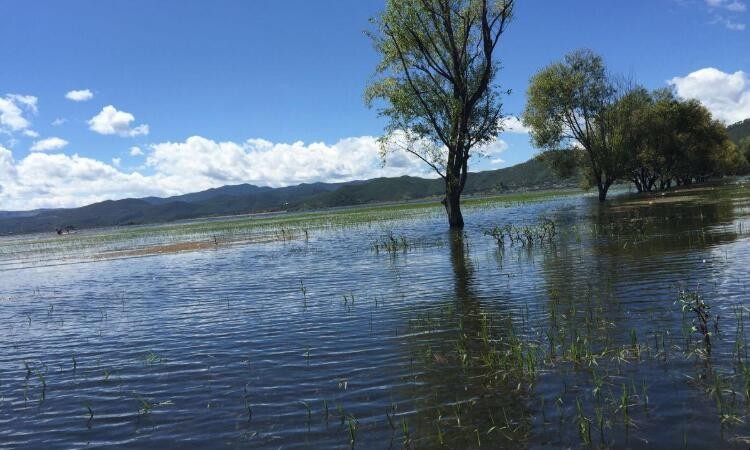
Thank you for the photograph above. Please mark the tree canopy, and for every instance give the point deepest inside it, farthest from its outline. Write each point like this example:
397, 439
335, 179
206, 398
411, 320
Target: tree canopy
611, 131
569, 109
436, 83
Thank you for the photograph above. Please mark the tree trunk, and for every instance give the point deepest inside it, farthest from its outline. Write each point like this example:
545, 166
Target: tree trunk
603, 186
637, 182
602, 193
452, 203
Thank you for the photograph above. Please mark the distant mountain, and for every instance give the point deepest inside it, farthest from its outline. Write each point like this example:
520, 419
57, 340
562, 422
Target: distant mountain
739, 131
233, 192
529, 175
246, 198
33, 212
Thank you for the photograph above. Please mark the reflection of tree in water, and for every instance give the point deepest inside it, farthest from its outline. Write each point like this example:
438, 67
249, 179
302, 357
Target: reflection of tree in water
613, 330
684, 221
472, 378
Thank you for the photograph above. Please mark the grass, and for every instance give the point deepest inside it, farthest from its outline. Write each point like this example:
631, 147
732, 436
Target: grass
582, 343
526, 235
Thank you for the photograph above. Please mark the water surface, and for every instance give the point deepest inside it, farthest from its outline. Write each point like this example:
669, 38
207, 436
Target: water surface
320, 340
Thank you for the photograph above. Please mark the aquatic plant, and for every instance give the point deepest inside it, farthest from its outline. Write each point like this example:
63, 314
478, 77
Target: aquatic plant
693, 302
526, 235
391, 243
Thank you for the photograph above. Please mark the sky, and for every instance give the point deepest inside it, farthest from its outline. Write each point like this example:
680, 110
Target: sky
107, 100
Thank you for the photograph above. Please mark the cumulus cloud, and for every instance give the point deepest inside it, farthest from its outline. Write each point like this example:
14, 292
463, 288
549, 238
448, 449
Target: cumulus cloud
493, 149
111, 121
726, 95
513, 124
204, 163
28, 101
58, 180
43, 180
81, 95
7, 168
14, 111
52, 143
136, 151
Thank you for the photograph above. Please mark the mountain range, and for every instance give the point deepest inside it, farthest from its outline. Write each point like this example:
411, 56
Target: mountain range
247, 199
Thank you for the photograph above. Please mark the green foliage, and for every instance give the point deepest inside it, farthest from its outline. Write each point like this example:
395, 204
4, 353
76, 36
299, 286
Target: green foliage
677, 141
579, 118
739, 131
744, 149
429, 49
569, 109
564, 163
436, 82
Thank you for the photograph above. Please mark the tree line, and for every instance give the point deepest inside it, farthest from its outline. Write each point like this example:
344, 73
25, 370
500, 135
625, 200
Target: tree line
609, 130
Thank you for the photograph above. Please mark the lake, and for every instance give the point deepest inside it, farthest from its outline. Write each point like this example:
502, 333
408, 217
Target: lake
548, 323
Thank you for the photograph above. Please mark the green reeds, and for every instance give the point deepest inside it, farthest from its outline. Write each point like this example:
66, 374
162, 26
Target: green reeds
391, 243
525, 235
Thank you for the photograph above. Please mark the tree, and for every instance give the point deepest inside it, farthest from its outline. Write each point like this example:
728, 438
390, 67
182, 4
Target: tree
670, 140
704, 149
744, 149
634, 124
436, 79
569, 108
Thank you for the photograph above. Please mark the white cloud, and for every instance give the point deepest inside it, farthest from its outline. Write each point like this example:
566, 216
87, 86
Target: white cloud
726, 13
58, 180
7, 169
30, 133
729, 24
726, 95
729, 5
494, 148
497, 161
52, 143
111, 121
200, 163
136, 151
28, 101
13, 112
513, 124
59, 121
81, 95
42, 180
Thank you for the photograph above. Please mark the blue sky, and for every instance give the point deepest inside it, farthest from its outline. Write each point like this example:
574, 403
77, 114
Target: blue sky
205, 77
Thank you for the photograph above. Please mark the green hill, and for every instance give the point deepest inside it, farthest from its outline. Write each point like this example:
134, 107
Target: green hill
525, 176
245, 199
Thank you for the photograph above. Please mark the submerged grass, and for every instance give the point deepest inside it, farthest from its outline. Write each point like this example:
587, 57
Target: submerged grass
483, 370
142, 240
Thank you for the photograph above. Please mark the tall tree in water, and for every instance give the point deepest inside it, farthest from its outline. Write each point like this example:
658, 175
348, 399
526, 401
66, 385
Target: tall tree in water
570, 110
436, 80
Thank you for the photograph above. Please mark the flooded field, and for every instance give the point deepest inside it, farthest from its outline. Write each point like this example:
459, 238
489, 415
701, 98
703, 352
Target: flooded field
547, 323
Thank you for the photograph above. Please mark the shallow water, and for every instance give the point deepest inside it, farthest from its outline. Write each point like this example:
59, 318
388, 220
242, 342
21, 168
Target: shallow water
324, 342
